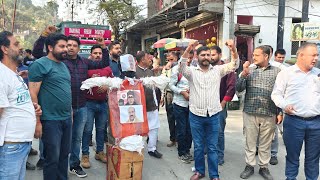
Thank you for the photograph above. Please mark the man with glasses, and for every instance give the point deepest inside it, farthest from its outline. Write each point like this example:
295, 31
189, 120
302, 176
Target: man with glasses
17, 112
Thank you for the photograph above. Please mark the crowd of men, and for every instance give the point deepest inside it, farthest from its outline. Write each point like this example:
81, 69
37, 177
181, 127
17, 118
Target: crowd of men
42, 99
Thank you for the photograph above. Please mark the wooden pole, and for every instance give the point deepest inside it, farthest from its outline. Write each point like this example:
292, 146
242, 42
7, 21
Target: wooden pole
14, 15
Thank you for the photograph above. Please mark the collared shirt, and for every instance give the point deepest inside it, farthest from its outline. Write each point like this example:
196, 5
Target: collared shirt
300, 89
258, 86
177, 85
116, 67
204, 97
282, 66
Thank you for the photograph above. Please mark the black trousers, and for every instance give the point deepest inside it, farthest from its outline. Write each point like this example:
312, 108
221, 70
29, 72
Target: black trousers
170, 116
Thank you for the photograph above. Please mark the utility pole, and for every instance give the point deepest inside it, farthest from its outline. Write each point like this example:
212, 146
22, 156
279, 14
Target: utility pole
231, 19
14, 15
72, 6
305, 11
281, 12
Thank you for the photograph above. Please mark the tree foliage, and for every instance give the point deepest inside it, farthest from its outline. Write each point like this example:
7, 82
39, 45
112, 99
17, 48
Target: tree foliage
120, 14
30, 19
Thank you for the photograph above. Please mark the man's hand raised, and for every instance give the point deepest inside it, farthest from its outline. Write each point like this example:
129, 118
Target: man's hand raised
49, 30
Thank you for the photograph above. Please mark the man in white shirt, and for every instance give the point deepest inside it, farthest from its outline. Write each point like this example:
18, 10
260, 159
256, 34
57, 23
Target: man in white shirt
180, 87
204, 105
17, 112
297, 92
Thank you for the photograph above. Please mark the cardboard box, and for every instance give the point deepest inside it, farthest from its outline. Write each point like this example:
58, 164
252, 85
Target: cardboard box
124, 164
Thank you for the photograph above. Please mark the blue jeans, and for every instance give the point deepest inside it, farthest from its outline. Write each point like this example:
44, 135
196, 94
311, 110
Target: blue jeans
222, 116
13, 159
275, 143
295, 131
205, 130
183, 130
56, 140
97, 112
80, 117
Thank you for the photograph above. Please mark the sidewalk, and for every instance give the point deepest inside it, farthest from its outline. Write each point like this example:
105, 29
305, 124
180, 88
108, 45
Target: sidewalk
171, 168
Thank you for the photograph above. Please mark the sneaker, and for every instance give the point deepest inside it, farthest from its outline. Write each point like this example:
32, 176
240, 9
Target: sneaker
197, 176
273, 160
40, 164
265, 173
85, 163
78, 171
248, 171
30, 166
155, 154
190, 156
185, 159
33, 152
101, 156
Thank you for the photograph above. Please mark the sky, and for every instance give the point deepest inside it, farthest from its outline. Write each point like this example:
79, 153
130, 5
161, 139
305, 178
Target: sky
65, 13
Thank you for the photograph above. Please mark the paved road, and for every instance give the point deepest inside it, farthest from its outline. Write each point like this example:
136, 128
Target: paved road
171, 168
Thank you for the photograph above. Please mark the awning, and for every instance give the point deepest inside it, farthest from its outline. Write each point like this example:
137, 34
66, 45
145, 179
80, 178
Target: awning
170, 14
246, 30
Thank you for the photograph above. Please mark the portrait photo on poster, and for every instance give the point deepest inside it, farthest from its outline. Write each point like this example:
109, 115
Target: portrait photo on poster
128, 63
131, 114
129, 97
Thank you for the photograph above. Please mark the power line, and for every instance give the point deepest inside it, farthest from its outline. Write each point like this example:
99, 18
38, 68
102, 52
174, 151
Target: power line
293, 9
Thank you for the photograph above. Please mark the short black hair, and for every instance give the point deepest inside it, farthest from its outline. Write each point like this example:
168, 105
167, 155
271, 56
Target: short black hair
53, 39
130, 93
28, 51
4, 41
173, 53
280, 51
270, 47
140, 55
202, 48
95, 47
76, 39
113, 44
217, 48
265, 49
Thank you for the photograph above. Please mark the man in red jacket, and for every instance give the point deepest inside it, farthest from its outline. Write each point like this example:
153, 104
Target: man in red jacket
97, 112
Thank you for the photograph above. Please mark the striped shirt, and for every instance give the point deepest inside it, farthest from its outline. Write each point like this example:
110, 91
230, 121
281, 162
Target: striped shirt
204, 94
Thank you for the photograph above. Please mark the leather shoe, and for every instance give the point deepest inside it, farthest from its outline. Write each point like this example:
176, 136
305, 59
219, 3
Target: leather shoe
155, 154
30, 166
171, 143
197, 176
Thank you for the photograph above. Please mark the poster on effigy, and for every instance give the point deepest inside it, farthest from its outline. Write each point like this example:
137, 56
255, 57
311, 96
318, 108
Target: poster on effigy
128, 63
131, 110
128, 113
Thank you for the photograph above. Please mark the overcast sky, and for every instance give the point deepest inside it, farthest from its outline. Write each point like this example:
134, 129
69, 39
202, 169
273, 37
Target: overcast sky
82, 9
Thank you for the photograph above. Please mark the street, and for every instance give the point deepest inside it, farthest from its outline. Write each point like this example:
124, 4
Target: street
171, 168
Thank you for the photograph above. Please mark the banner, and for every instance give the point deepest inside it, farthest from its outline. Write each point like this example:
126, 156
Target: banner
305, 31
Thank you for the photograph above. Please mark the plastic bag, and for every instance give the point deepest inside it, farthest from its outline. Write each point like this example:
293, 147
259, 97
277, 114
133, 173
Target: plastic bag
132, 143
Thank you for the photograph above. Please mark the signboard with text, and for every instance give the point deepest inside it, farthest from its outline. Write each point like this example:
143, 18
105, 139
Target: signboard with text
305, 31
87, 32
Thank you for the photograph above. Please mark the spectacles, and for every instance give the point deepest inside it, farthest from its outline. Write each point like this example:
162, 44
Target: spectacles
130, 96
23, 83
